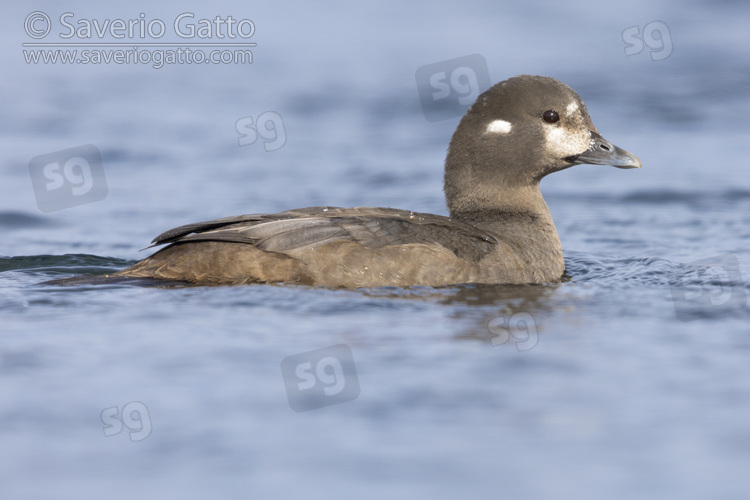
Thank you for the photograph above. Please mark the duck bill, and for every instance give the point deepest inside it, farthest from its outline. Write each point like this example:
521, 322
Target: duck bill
603, 152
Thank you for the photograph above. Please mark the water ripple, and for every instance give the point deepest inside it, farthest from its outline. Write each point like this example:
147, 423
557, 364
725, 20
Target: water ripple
62, 264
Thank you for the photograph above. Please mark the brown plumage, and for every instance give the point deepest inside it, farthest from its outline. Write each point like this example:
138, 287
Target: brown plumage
499, 231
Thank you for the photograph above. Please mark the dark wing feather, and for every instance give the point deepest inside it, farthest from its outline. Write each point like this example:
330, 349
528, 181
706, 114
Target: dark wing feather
315, 226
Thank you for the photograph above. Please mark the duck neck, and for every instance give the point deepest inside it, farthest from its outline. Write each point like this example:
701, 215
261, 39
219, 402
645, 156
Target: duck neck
523, 224
519, 206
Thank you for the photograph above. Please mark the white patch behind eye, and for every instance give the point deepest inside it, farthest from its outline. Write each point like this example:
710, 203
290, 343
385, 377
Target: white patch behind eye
563, 142
499, 127
571, 108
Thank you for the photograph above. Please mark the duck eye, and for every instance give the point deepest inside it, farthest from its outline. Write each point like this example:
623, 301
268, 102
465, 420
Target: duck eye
550, 116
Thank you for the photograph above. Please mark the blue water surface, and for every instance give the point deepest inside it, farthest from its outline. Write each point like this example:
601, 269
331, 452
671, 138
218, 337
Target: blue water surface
630, 379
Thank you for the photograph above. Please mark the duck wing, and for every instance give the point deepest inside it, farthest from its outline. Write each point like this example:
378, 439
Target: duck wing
306, 228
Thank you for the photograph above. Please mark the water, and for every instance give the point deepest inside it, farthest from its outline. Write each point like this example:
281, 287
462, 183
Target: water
613, 384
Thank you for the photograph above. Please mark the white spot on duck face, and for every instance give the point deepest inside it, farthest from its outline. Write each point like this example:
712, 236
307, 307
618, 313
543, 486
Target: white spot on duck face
571, 109
499, 127
567, 137
562, 142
